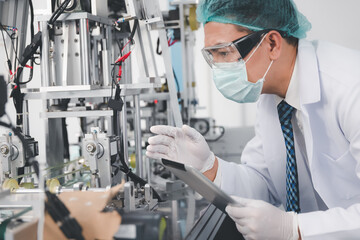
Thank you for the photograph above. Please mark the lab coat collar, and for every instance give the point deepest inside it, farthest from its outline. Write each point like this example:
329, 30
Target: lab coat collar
292, 94
309, 81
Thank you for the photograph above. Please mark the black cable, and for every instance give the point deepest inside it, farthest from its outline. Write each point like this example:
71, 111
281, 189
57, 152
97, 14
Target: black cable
12, 42
16, 94
16, 50
32, 30
58, 12
136, 24
31, 161
158, 51
7, 54
13, 45
64, 103
32, 33
30, 75
135, 178
18, 98
36, 63
176, 81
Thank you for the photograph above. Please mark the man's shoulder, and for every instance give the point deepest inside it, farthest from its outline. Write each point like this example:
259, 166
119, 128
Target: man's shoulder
336, 51
336, 61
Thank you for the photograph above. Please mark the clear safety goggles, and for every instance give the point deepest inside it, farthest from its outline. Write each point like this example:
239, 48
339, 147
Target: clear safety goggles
233, 51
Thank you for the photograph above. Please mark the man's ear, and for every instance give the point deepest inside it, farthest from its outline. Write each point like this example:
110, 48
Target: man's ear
275, 44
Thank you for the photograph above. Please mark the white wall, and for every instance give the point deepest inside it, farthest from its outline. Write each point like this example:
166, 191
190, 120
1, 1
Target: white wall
335, 21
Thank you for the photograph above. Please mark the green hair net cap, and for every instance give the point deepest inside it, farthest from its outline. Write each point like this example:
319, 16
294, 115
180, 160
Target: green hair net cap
255, 15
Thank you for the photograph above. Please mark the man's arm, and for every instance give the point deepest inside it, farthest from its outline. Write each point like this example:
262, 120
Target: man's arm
211, 173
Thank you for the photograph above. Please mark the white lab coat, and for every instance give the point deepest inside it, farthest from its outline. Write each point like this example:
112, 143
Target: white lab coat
329, 85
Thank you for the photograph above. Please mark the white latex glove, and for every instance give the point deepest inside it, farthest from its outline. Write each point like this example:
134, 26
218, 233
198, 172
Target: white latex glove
257, 219
184, 145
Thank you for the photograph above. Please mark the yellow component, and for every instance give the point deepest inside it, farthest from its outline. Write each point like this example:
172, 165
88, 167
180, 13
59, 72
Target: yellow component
164, 88
52, 184
193, 84
133, 160
162, 228
27, 185
194, 25
11, 184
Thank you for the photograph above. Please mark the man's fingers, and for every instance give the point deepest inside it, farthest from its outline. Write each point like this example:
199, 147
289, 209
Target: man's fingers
160, 140
165, 130
158, 149
191, 133
158, 156
244, 230
242, 201
238, 212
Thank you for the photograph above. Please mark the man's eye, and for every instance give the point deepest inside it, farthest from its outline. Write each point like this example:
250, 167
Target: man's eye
223, 54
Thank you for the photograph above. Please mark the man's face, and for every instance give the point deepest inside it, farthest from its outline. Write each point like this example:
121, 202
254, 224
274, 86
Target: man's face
219, 33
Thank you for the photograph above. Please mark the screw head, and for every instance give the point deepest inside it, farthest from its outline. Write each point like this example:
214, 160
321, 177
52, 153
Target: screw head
4, 149
91, 148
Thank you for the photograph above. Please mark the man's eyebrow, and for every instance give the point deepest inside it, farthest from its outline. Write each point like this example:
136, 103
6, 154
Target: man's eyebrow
218, 43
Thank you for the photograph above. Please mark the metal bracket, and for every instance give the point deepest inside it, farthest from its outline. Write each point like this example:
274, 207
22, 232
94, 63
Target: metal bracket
129, 196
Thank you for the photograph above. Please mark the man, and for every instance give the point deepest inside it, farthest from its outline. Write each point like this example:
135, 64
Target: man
305, 154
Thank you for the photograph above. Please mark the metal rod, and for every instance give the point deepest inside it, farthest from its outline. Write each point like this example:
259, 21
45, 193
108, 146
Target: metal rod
138, 142
141, 43
123, 115
59, 190
26, 127
106, 64
174, 218
126, 75
65, 53
183, 56
44, 58
174, 104
152, 54
85, 55
107, 57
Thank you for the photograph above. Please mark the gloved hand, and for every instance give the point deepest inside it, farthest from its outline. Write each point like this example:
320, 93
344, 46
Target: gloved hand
184, 145
257, 219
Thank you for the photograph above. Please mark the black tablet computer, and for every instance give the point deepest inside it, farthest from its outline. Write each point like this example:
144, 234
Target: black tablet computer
197, 181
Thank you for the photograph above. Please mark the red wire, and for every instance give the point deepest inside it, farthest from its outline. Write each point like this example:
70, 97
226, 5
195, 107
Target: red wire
119, 73
14, 73
172, 43
125, 46
122, 59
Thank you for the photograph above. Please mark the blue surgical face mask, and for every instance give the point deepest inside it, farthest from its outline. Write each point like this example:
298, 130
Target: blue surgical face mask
232, 81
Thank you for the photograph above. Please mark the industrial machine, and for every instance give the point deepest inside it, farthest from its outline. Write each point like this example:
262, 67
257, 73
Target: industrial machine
88, 81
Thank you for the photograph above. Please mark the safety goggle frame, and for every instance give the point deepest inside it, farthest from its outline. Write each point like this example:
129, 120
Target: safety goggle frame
240, 48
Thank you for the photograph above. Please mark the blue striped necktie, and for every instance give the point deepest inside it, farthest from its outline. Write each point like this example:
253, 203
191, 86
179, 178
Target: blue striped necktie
292, 185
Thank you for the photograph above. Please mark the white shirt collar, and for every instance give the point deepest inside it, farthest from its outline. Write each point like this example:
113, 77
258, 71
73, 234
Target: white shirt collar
292, 94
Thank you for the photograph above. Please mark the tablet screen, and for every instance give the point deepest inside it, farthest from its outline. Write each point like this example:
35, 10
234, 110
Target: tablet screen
198, 182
